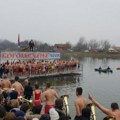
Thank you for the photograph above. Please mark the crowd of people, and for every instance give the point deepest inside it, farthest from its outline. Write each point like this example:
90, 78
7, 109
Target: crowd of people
26, 68
16, 104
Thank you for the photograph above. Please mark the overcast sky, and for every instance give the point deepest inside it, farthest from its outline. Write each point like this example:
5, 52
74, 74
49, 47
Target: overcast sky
59, 21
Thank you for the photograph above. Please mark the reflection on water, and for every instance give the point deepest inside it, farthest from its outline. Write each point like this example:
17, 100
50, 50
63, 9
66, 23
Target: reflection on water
104, 87
59, 83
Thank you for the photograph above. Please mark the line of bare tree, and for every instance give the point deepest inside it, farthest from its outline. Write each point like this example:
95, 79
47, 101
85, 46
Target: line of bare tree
93, 44
81, 45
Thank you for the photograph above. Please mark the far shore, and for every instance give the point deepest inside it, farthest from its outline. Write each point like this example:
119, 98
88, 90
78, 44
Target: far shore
115, 55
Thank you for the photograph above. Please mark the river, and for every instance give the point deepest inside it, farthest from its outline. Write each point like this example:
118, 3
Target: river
104, 87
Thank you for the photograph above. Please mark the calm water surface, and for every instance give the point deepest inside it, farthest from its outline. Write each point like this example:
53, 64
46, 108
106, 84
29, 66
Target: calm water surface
105, 88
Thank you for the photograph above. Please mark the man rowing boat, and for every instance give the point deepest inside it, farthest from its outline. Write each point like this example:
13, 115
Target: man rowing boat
49, 97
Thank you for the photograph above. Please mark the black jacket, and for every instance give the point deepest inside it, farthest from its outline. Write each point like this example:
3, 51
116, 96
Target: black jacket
62, 116
28, 90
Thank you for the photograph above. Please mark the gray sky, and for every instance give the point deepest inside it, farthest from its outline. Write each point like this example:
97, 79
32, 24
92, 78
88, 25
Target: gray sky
59, 21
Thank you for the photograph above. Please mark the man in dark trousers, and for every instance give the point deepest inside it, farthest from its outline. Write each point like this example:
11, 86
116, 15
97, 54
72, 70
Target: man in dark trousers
1, 70
31, 45
28, 90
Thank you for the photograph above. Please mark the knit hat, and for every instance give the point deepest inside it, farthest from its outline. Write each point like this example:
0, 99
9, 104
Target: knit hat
18, 113
53, 114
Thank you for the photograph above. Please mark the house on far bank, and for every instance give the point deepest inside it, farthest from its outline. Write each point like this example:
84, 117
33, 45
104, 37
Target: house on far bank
114, 49
60, 47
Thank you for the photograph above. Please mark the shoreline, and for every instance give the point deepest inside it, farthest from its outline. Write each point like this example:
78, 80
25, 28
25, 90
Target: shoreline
91, 54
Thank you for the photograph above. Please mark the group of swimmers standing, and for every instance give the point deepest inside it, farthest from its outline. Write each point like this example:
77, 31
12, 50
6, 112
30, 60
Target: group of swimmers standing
26, 68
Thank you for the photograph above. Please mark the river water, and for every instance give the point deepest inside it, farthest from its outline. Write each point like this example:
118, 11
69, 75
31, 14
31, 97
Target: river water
104, 87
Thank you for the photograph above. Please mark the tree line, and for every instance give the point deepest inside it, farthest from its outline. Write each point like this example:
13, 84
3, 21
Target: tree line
81, 45
93, 44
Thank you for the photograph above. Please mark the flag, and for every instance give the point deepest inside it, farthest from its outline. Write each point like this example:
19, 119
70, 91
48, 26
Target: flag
18, 40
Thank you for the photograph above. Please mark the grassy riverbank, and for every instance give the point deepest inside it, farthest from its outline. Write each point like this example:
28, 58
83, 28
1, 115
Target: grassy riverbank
70, 54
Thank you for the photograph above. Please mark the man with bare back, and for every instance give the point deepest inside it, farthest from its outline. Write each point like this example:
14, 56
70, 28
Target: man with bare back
114, 112
18, 86
80, 102
49, 97
5, 83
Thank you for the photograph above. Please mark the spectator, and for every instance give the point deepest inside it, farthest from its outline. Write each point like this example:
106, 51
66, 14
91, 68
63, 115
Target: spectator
59, 108
53, 114
45, 117
28, 91
15, 109
24, 107
20, 118
10, 116
35, 113
2, 112
13, 94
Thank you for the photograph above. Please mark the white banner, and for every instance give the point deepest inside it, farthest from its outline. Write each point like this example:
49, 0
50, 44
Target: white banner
29, 55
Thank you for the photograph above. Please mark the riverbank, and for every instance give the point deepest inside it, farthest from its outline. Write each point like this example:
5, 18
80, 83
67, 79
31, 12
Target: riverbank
112, 55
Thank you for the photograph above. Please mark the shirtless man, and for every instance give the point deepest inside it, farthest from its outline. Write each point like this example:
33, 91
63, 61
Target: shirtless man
18, 86
80, 102
49, 97
5, 83
114, 112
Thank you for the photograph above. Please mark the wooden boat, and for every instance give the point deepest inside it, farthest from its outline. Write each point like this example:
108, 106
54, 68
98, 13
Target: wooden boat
107, 70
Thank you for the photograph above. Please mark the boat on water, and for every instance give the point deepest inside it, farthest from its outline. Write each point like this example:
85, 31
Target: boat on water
106, 70
118, 68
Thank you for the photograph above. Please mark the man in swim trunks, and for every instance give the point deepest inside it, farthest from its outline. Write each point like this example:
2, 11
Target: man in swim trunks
18, 86
5, 83
49, 97
80, 102
114, 112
